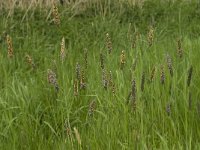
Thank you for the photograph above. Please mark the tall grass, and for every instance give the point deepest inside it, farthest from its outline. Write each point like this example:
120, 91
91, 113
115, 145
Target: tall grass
103, 81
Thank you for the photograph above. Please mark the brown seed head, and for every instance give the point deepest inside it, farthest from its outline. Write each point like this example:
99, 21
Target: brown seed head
10, 46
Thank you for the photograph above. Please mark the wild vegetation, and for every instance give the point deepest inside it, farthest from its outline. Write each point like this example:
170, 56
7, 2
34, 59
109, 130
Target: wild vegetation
100, 74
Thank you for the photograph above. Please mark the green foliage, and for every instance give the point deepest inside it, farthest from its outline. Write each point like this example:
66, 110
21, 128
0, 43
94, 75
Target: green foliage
35, 116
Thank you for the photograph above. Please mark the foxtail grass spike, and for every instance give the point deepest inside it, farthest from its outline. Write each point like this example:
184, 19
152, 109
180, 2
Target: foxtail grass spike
82, 82
86, 58
162, 74
169, 64
101, 61
78, 71
189, 76
143, 81
52, 79
133, 94
92, 107
104, 79
108, 43
122, 60
78, 137
56, 16
62, 50
30, 61
10, 46
153, 73
179, 49
150, 36
76, 87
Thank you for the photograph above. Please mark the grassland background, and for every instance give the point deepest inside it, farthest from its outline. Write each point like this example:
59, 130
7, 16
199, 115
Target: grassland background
34, 116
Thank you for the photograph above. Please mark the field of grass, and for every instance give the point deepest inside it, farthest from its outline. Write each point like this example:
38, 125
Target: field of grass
117, 77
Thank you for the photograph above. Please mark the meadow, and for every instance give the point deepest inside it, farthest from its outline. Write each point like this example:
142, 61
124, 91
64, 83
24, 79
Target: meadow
102, 74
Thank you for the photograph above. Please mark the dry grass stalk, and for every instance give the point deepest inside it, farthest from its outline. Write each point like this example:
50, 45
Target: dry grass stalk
169, 64
52, 79
62, 50
189, 76
10, 46
122, 60
162, 74
108, 43
150, 36
78, 137
179, 49
56, 16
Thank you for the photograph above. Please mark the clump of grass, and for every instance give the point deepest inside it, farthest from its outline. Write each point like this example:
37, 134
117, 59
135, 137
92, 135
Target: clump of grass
52, 79
10, 46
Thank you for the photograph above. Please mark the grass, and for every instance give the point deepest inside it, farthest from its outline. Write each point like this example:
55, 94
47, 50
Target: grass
166, 116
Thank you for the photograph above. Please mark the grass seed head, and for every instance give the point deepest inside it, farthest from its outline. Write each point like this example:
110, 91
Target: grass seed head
133, 94
78, 71
29, 61
169, 64
86, 58
108, 43
10, 46
153, 73
78, 137
179, 48
122, 60
162, 74
76, 88
104, 79
189, 76
150, 36
101, 61
143, 81
56, 16
92, 107
52, 79
62, 50
82, 82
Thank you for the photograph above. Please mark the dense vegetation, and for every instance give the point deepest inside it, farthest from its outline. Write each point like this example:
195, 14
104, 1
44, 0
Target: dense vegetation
118, 76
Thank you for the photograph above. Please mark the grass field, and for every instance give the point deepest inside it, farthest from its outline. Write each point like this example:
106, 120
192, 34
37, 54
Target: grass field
109, 76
